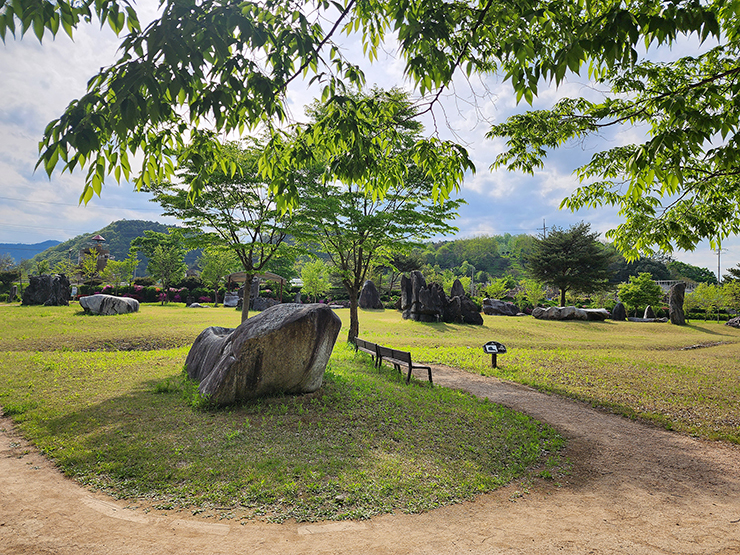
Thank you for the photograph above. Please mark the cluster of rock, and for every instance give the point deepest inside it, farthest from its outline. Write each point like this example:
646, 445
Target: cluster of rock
733, 322
570, 313
108, 305
47, 290
429, 303
496, 307
283, 350
369, 296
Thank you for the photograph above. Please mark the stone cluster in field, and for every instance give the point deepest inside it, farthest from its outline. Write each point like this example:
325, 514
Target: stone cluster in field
428, 303
284, 349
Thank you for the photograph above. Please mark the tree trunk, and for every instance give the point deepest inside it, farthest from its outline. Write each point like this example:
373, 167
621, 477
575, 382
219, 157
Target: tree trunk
245, 298
354, 320
215, 296
562, 297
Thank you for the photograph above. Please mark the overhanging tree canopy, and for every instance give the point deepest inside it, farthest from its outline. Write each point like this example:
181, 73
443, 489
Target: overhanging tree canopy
229, 66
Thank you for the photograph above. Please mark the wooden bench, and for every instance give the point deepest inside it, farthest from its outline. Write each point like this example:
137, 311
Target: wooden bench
401, 358
395, 357
369, 348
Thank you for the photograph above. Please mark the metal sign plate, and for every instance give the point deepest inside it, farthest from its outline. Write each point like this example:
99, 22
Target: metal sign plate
494, 347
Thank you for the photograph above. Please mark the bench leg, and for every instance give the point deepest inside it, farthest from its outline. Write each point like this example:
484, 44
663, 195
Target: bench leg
408, 378
430, 377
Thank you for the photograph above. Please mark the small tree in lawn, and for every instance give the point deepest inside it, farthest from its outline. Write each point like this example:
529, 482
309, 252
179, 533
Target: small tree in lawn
235, 207
530, 290
571, 259
215, 264
120, 271
708, 297
315, 278
167, 264
357, 229
89, 265
640, 292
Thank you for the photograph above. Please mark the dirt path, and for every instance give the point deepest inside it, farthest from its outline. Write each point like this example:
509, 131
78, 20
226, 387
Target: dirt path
633, 489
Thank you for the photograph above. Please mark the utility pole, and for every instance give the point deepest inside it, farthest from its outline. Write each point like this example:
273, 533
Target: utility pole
544, 229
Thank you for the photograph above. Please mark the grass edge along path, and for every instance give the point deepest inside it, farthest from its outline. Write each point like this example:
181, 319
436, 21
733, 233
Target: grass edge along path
363, 445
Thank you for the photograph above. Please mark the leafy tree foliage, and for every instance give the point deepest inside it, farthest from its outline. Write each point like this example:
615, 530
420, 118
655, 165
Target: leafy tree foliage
120, 271
531, 291
733, 274
89, 265
683, 271
7, 262
640, 292
708, 297
355, 228
167, 264
215, 264
623, 269
315, 277
571, 259
236, 209
231, 64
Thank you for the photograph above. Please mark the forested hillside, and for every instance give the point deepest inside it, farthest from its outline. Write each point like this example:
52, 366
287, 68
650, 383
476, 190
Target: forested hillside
118, 236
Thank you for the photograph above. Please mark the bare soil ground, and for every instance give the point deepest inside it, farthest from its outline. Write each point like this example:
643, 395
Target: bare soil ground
633, 488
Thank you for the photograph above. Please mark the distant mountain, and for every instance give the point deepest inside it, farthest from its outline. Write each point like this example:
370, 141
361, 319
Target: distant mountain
118, 236
19, 251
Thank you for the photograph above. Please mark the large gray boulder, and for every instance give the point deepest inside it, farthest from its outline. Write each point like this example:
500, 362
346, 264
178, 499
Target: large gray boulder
649, 313
47, 290
263, 303
570, 313
470, 312
231, 300
619, 313
284, 349
108, 305
369, 296
733, 322
496, 307
675, 304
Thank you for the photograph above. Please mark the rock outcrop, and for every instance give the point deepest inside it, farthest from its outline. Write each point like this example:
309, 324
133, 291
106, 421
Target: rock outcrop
428, 303
675, 304
369, 296
284, 349
47, 290
108, 305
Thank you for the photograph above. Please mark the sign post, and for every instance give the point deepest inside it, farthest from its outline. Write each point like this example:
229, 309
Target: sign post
494, 348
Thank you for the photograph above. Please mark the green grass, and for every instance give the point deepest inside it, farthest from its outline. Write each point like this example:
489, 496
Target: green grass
636, 369
128, 422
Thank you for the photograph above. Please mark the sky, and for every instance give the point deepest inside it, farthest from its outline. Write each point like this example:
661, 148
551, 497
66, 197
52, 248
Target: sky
39, 80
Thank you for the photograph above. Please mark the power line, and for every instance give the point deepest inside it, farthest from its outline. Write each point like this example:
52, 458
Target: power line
78, 205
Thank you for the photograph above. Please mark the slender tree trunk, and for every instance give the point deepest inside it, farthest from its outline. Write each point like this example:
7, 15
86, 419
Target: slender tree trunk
245, 299
562, 297
354, 319
215, 296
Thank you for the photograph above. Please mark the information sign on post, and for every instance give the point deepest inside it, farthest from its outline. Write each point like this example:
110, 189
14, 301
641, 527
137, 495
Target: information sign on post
494, 348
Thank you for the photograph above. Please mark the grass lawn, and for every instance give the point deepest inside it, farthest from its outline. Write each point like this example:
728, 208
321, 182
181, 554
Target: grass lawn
106, 399
683, 378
